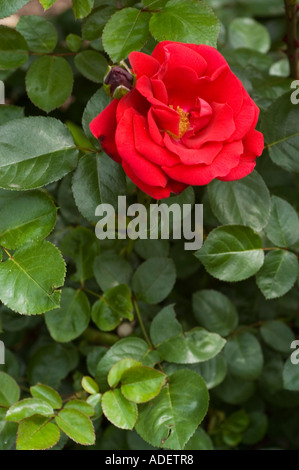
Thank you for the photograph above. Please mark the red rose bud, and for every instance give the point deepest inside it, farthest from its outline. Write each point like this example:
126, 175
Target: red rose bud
187, 121
118, 81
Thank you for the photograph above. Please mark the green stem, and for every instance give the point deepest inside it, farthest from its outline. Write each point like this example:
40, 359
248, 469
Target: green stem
138, 314
292, 42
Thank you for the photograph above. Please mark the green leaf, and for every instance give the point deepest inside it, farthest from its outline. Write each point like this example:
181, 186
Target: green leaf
291, 376
277, 335
97, 103
279, 126
26, 218
91, 65
71, 319
172, 417
244, 356
234, 390
73, 42
232, 253
278, 274
149, 248
43, 152
40, 35
9, 113
76, 426
95, 402
141, 384
30, 279
80, 405
248, 33
283, 225
126, 31
244, 202
110, 270
199, 441
9, 390
13, 48
51, 363
185, 21
154, 279
28, 407
49, 82
212, 371
258, 424
48, 394
93, 25
89, 385
82, 8
214, 311
118, 369
82, 246
37, 433
98, 179
47, 3
173, 345
8, 8
114, 305
118, 410
131, 348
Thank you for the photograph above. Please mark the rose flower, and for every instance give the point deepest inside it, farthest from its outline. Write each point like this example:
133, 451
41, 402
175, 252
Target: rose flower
187, 121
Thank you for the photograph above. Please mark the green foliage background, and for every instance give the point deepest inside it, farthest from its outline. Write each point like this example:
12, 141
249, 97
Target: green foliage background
106, 340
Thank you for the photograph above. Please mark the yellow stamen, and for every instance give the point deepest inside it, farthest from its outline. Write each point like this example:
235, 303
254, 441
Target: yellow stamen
184, 124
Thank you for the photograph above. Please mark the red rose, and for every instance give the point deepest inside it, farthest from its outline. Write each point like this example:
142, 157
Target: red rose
187, 121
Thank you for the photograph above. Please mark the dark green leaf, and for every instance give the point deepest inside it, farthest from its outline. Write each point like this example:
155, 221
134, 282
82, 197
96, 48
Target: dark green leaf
114, 305
40, 34
111, 270
244, 356
9, 390
248, 33
13, 48
277, 335
154, 279
92, 65
283, 225
8, 8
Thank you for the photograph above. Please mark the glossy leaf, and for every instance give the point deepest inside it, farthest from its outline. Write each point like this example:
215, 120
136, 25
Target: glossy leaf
118, 410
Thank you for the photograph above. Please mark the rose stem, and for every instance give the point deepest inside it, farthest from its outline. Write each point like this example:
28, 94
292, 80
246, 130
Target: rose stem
292, 42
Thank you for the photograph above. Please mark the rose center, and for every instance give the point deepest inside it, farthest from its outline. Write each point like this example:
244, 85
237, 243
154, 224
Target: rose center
184, 124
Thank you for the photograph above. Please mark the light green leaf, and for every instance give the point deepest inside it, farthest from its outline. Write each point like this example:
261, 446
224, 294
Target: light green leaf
28, 407
185, 21
114, 305
278, 274
283, 225
73, 42
244, 356
13, 48
40, 35
154, 279
280, 130
48, 394
9, 390
214, 311
118, 369
172, 417
43, 152
37, 433
244, 202
95, 402
277, 335
49, 82
80, 405
91, 65
173, 345
126, 31
47, 3
248, 33
118, 410
82, 8
232, 253
76, 426
26, 218
8, 8
89, 385
141, 384
30, 279
110, 270
71, 319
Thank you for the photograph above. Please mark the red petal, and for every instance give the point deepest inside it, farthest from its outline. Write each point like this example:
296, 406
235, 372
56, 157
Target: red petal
254, 142
212, 57
148, 148
145, 88
245, 118
143, 64
182, 56
153, 191
144, 169
167, 119
182, 86
205, 154
103, 128
227, 159
132, 100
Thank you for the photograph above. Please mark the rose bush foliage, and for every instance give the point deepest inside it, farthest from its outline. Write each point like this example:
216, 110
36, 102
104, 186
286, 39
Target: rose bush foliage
140, 344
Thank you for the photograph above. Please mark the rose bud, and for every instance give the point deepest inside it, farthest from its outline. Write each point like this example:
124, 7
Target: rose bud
188, 120
118, 81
